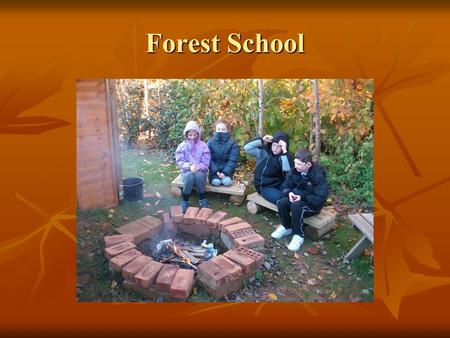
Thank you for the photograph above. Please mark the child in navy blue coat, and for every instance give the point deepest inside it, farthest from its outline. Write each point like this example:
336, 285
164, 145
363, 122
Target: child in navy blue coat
224, 155
305, 193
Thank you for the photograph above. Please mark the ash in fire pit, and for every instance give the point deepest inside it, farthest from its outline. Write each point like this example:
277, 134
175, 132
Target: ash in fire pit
186, 253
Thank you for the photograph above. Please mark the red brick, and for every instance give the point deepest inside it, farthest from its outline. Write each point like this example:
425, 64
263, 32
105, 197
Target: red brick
216, 218
147, 275
165, 277
117, 239
229, 237
190, 214
219, 271
176, 212
136, 229
236, 226
241, 233
132, 268
118, 249
247, 264
228, 221
255, 242
223, 290
153, 224
182, 284
220, 276
255, 255
203, 215
124, 258
237, 230
166, 218
167, 222
195, 229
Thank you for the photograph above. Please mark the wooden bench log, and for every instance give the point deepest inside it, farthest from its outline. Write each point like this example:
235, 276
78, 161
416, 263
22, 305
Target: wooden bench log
238, 190
316, 226
364, 222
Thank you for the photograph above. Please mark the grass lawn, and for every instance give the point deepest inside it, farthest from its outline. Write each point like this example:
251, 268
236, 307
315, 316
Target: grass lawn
284, 276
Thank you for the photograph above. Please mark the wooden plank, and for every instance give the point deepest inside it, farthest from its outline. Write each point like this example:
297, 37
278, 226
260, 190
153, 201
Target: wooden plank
358, 248
91, 129
258, 199
368, 217
95, 151
114, 126
363, 225
95, 118
236, 188
326, 217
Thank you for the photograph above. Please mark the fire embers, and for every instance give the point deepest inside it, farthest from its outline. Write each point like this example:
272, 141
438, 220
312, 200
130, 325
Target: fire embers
183, 253
171, 257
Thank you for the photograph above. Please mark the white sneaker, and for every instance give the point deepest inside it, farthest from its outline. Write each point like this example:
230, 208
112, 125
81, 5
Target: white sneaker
280, 232
296, 243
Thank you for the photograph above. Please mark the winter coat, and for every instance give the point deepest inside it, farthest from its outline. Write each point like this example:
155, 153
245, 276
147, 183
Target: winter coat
312, 187
270, 169
192, 152
224, 155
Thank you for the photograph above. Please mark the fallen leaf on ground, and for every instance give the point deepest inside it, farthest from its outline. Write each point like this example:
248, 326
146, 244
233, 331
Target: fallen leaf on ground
313, 250
332, 295
368, 252
158, 194
273, 297
157, 202
296, 256
311, 282
113, 284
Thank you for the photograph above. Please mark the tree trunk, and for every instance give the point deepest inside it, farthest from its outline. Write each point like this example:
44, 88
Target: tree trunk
261, 108
146, 98
316, 106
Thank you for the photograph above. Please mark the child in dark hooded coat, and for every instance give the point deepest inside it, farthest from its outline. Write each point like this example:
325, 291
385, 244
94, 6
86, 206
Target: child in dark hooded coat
224, 155
273, 163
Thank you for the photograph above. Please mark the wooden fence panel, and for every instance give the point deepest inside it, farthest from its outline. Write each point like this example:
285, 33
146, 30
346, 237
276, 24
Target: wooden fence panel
98, 166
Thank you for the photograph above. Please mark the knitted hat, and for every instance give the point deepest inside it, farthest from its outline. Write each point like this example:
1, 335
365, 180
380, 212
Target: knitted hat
281, 135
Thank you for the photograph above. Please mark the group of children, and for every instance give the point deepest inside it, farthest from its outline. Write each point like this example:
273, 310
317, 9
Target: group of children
298, 187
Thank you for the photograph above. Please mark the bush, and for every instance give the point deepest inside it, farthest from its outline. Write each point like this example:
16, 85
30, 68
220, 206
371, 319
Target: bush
350, 172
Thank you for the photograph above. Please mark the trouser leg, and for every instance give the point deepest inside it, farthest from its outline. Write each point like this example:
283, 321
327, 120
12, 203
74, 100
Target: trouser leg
188, 182
284, 210
300, 210
271, 194
200, 179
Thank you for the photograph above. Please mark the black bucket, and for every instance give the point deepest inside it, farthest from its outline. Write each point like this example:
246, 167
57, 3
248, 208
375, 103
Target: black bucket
133, 188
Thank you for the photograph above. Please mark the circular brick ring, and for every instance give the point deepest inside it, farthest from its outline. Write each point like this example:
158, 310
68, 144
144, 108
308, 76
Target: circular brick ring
219, 276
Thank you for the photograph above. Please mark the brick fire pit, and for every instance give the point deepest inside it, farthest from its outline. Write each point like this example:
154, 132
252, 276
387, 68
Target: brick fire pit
219, 276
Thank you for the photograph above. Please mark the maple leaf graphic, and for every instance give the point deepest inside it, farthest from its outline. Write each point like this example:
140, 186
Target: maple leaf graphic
9, 248
24, 87
398, 281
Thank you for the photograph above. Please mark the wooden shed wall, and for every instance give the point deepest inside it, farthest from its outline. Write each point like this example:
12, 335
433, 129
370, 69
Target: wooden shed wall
98, 153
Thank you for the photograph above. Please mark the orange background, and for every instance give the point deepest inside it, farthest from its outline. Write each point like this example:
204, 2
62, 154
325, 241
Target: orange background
44, 50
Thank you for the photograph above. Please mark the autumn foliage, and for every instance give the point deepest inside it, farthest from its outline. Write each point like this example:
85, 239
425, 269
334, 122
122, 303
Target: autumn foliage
157, 111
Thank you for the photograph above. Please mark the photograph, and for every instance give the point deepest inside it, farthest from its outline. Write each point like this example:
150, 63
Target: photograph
225, 190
